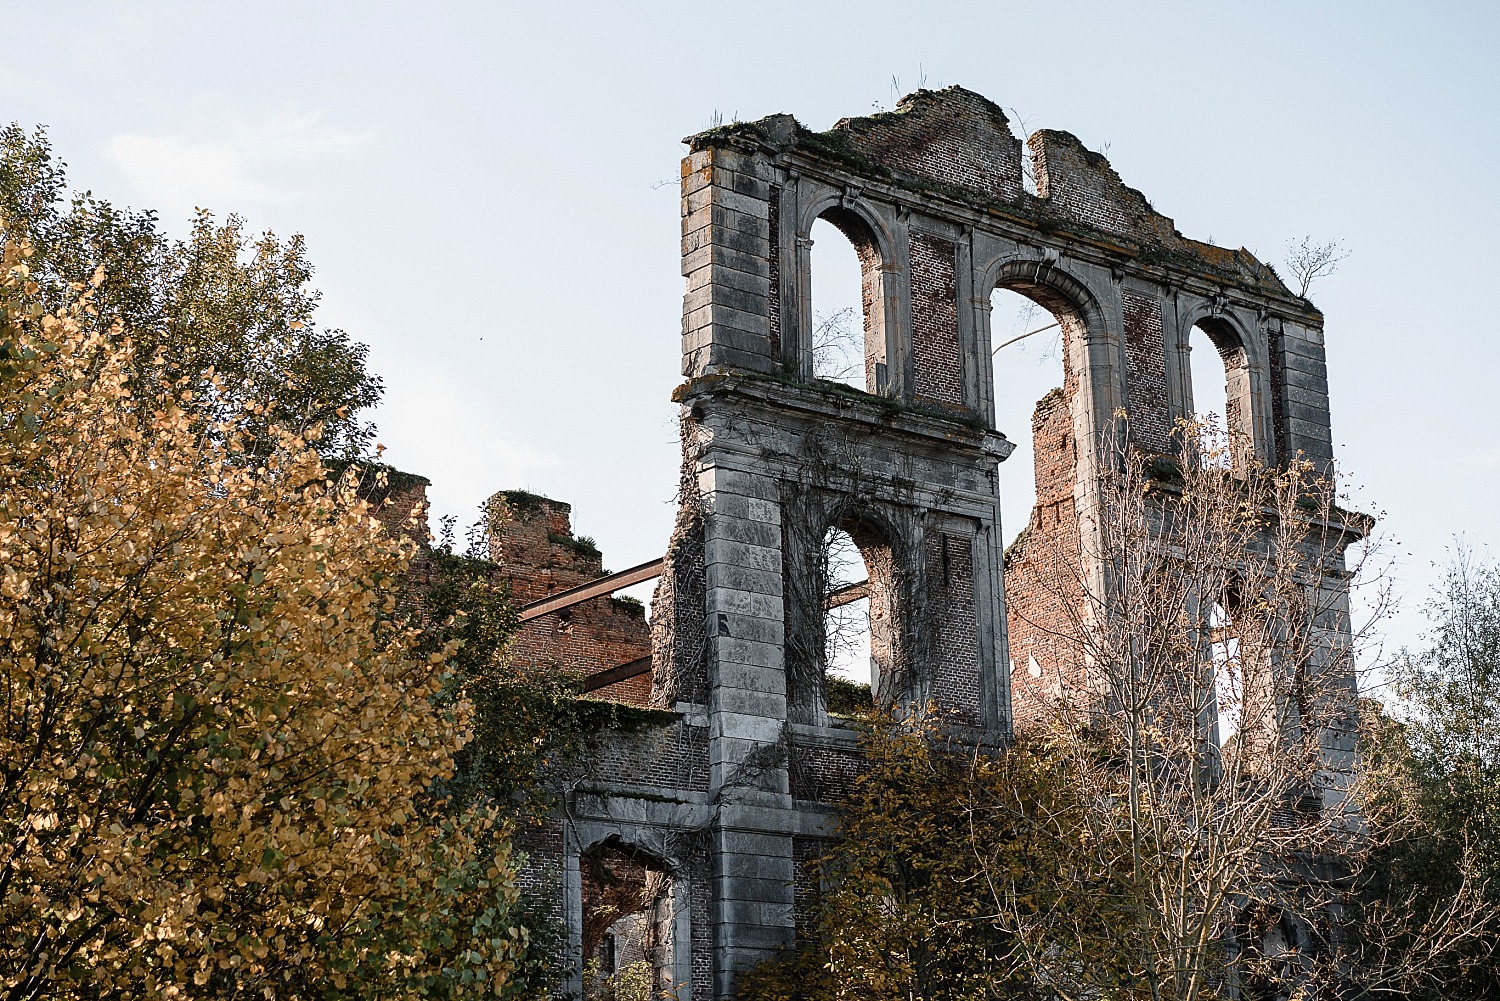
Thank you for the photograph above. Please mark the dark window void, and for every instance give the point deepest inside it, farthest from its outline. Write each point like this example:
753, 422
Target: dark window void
628, 912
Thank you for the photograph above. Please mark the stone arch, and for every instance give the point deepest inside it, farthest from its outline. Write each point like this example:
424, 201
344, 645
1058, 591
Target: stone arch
1279, 952
1243, 359
1064, 295
1047, 282
634, 914
875, 245
889, 557
853, 211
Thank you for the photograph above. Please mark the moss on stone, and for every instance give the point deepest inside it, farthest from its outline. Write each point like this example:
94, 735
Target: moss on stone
582, 545
633, 607
524, 500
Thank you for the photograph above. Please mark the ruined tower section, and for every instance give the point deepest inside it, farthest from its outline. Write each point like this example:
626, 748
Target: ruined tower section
736, 778
775, 459
532, 540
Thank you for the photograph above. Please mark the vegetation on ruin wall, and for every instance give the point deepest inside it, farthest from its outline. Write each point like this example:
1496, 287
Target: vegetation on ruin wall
1120, 848
581, 545
227, 767
376, 481
631, 606
523, 500
908, 914
1029, 210
530, 719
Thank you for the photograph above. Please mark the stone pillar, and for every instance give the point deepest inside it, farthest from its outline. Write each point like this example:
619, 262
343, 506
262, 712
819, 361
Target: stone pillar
726, 248
752, 846
1304, 423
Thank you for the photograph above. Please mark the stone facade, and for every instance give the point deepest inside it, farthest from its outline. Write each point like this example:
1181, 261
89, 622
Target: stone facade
720, 798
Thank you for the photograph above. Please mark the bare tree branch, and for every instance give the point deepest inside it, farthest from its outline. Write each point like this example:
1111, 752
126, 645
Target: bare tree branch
1307, 261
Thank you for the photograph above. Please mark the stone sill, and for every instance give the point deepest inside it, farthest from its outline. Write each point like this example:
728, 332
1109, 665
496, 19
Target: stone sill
827, 400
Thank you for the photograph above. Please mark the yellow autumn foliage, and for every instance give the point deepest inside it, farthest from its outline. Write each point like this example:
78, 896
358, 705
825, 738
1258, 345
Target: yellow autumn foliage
220, 762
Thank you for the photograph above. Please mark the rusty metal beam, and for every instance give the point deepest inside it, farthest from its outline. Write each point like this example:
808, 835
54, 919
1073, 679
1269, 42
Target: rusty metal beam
613, 675
642, 665
646, 571
847, 594
592, 589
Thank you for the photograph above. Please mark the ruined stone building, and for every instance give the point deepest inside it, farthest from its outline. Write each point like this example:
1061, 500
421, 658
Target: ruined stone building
715, 802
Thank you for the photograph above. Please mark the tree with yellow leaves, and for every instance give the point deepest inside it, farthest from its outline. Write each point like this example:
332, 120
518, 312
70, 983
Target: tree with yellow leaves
219, 752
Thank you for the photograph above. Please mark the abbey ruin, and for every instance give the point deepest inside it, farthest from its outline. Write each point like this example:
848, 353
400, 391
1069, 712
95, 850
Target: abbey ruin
710, 809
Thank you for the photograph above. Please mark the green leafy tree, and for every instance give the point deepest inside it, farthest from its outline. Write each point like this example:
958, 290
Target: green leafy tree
1434, 773
1452, 690
231, 314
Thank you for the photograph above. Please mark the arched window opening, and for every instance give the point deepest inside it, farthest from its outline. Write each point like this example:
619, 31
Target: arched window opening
1281, 953
629, 914
1032, 328
1210, 391
849, 677
1026, 341
1228, 675
856, 568
844, 289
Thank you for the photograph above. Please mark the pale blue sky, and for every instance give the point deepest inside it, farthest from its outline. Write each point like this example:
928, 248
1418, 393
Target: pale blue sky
479, 186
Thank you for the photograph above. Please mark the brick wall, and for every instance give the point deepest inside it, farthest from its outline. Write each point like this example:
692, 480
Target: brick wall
822, 773
678, 605
1080, 185
397, 500
542, 844
1278, 394
692, 849
950, 566
934, 309
807, 854
871, 300
1042, 569
674, 756
954, 137
538, 554
1145, 357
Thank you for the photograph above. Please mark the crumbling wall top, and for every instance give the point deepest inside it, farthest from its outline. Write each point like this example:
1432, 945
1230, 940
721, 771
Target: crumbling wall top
956, 145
